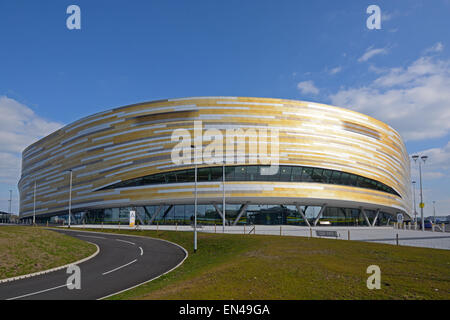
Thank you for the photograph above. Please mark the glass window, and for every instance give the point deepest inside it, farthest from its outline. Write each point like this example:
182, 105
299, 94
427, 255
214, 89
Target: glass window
171, 177
240, 174
335, 178
285, 173
262, 174
352, 180
307, 174
252, 173
204, 174
296, 174
216, 173
327, 175
344, 178
184, 176
317, 175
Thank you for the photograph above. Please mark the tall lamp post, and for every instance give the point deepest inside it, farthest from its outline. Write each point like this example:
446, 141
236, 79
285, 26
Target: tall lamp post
414, 198
223, 204
195, 201
434, 212
70, 196
423, 158
34, 203
10, 201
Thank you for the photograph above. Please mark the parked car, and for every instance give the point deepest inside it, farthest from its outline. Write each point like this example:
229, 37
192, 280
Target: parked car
428, 223
440, 220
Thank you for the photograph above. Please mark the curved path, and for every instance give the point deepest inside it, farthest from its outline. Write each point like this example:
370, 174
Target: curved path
122, 263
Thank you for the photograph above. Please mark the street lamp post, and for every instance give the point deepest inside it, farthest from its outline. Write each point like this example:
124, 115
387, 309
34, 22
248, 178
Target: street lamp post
195, 201
414, 199
10, 201
34, 203
70, 196
434, 212
195, 211
223, 203
423, 158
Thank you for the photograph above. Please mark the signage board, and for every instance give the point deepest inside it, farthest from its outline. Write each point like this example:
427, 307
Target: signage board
132, 218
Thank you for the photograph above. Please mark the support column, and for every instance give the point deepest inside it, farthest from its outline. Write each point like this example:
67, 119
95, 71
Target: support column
320, 213
241, 211
302, 213
156, 213
218, 210
376, 218
365, 216
139, 217
146, 213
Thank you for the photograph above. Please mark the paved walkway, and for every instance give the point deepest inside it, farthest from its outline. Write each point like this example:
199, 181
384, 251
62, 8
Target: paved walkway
427, 239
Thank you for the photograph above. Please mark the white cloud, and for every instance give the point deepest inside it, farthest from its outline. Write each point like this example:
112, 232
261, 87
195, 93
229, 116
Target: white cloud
386, 16
438, 47
19, 127
307, 87
371, 53
336, 70
415, 100
437, 165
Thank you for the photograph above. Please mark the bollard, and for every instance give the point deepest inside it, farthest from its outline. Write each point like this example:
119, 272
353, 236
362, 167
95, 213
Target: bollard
254, 229
157, 227
176, 226
215, 228
119, 224
280, 231
396, 238
409, 225
47, 223
443, 227
348, 236
102, 225
432, 227
244, 228
310, 232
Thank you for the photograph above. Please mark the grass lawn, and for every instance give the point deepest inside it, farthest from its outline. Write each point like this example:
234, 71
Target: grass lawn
270, 267
30, 249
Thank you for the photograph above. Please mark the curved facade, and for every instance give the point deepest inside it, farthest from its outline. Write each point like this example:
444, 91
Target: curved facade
345, 165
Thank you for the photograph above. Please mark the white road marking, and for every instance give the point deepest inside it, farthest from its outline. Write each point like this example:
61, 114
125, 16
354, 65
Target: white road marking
82, 235
142, 251
126, 241
34, 293
120, 267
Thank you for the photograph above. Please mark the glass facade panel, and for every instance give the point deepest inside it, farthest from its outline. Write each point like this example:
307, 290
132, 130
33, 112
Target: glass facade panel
253, 173
317, 175
307, 174
261, 214
285, 174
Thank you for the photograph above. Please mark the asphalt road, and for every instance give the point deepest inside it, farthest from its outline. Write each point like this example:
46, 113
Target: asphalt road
123, 262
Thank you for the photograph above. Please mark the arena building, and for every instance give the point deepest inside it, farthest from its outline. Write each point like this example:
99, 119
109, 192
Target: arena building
332, 166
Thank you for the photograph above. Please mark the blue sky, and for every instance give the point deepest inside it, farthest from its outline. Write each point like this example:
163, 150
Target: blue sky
134, 51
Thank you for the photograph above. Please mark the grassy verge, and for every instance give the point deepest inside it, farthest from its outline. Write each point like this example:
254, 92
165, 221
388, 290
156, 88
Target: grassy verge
30, 249
271, 267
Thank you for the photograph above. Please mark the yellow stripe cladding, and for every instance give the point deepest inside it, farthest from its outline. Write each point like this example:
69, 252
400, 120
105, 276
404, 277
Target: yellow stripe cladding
133, 141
